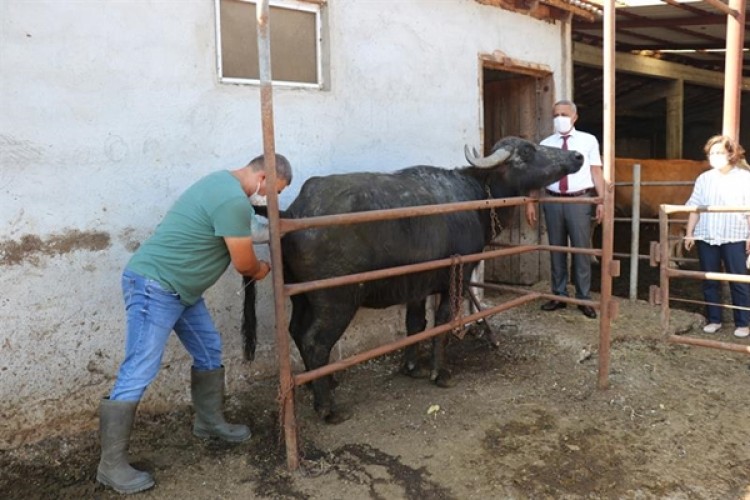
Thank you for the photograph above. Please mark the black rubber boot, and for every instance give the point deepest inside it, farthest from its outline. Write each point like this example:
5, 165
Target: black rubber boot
207, 389
115, 422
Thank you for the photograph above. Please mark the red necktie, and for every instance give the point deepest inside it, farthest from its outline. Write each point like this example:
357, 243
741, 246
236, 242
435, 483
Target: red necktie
564, 180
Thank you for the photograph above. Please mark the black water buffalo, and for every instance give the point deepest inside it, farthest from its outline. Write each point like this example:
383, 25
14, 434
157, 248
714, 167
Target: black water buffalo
320, 317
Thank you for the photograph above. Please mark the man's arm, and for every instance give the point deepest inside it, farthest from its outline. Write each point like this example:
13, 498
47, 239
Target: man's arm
598, 177
243, 257
531, 210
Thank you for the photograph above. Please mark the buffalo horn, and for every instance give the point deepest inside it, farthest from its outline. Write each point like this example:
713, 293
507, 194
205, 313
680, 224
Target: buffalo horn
490, 161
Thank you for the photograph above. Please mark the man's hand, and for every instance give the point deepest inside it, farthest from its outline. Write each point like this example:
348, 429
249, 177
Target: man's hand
531, 217
242, 254
599, 213
264, 269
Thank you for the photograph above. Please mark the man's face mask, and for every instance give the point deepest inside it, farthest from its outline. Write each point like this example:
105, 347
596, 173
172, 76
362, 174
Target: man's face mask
562, 124
258, 200
718, 160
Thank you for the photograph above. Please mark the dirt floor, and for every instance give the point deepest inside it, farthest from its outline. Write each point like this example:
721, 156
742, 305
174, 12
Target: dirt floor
525, 420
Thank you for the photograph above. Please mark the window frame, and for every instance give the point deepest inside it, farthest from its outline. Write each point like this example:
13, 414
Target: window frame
312, 6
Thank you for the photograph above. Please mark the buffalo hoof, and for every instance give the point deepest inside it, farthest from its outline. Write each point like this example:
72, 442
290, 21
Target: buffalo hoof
493, 340
443, 379
337, 416
415, 371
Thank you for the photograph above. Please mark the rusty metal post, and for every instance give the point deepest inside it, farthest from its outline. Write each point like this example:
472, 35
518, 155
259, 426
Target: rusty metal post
635, 232
664, 267
286, 384
608, 100
733, 68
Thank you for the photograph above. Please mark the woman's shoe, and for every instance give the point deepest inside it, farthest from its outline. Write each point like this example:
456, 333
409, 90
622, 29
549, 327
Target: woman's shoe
712, 327
742, 331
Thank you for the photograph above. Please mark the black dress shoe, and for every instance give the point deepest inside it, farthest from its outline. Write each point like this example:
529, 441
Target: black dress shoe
553, 305
588, 311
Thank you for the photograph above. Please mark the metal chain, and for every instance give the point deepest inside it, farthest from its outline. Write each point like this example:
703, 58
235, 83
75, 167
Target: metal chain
456, 292
494, 219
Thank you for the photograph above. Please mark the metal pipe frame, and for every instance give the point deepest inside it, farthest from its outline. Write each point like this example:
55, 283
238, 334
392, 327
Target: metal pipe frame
286, 400
277, 229
539, 295
714, 344
289, 225
608, 162
665, 273
309, 286
672, 209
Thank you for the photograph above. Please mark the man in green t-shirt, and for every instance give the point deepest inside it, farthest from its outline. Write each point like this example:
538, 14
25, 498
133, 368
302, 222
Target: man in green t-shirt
207, 228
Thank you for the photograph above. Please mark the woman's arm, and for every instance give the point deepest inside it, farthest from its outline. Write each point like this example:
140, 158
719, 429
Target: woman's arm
692, 221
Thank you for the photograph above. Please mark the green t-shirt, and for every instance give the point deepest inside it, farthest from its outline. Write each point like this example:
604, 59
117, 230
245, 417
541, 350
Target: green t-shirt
187, 253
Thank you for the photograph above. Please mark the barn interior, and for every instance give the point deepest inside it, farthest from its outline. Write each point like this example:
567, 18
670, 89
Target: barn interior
669, 97
670, 72
669, 84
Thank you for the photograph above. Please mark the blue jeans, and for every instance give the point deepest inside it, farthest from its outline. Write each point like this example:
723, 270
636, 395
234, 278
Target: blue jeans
733, 256
152, 313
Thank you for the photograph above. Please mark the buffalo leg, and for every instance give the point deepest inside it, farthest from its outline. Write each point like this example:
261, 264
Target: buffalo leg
315, 344
416, 321
440, 374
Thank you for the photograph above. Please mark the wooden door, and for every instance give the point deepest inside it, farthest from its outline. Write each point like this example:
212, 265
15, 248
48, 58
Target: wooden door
520, 105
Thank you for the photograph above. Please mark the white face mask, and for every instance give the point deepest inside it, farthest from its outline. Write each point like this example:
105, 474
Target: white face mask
718, 161
562, 124
256, 199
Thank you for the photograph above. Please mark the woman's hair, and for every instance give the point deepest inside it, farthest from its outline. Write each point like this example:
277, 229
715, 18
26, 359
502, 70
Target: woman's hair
735, 152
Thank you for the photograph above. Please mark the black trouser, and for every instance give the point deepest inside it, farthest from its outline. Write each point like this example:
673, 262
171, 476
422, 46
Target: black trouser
568, 222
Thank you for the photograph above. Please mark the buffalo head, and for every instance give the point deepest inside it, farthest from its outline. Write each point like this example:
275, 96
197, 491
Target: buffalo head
516, 166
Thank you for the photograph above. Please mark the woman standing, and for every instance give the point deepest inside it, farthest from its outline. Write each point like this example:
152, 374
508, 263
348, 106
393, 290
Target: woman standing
721, 236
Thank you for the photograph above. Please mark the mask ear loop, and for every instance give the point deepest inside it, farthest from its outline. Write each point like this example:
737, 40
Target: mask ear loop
257, 188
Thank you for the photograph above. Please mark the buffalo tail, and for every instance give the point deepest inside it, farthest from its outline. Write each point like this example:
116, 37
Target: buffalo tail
249, 320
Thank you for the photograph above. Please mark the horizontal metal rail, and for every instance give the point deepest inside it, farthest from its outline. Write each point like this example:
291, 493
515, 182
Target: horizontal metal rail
308, 286
289, 225
700, 275
714, 344
674, 209
652, 221
540, 295
657, 183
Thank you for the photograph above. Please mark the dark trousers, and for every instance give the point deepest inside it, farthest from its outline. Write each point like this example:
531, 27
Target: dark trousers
567, 222
733, 257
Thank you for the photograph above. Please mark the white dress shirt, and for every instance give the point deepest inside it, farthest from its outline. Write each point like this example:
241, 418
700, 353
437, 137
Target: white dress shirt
712, 188
588, 146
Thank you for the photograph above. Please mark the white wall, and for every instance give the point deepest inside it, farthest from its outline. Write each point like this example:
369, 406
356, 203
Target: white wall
110, 109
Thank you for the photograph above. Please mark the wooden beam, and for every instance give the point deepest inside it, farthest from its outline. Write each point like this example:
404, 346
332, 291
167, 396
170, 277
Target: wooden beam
711, 20
588, 55
675, 121
543, 9
637, 98
724, 8
498, 60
